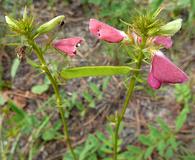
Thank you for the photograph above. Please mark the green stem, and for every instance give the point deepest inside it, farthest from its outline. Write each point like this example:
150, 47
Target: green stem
53, 81
128, 97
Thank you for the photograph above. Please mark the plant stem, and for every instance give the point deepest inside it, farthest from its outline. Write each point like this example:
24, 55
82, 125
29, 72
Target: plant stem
54, 83
128, 97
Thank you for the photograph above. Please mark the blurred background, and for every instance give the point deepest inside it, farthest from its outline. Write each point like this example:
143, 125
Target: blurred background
29, 123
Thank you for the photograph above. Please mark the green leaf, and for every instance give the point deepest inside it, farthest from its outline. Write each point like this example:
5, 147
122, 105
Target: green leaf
80, 106
145, 140
89, 99
19, 112
101, 136
41, 127
32, 63
169, 153
88, 71
188, 157
107, 143
47, 81
124, 156
39, 89
20, 117
14, 67
57, 125
148, 152
74, 98
105, 82
173, 142
163, 125
183, 93
96, 90
134, 150
182, 118
91, 146
154, 132
48, 134
161, 147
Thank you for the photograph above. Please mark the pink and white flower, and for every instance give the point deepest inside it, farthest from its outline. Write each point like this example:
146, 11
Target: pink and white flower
105, 32
164, 71
68, 45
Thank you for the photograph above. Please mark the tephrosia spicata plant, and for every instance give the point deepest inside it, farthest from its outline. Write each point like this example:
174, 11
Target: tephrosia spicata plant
146, 35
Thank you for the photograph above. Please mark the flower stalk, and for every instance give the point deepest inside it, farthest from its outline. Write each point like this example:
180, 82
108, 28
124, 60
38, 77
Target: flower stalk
128, 97
54, 83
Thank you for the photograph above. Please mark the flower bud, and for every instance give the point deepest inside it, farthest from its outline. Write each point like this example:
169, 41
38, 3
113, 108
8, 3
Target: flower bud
12, 23
171, 28
25, 15
50, 25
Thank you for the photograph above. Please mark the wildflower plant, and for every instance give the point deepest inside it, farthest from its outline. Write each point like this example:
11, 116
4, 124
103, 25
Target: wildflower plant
26, 28
146, 35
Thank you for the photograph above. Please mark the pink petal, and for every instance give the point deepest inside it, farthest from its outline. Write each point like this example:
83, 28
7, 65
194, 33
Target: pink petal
165, 71
154, 83
68, 45
164, 41
105, 32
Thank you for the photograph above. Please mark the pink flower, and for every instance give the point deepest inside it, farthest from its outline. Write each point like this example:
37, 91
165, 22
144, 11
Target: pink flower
68, 45
164, 41
164, 71
105, 32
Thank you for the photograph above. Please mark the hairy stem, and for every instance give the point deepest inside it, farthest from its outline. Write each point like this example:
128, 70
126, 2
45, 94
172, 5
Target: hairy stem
54, 83
128, 97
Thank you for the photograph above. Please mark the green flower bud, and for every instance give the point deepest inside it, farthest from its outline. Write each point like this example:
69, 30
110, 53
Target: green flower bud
12, 23
50, 25
171, 28
25, 15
